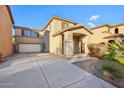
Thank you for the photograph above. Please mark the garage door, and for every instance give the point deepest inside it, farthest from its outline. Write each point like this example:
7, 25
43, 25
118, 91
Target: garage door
29, 48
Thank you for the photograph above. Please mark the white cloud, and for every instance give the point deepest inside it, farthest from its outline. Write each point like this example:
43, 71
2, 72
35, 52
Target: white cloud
90, 24
94, 17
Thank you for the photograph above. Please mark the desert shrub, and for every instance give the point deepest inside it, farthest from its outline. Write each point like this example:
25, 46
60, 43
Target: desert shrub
97, 50
113, 67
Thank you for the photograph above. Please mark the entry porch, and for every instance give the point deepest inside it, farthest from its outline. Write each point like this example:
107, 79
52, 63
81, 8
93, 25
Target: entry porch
70, 41
74, 43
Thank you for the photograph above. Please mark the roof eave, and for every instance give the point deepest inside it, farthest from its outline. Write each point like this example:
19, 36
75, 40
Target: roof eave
55, 17
10, 14
104, 25
68, 29
27, 28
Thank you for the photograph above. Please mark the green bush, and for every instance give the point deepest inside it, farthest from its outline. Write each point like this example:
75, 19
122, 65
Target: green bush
113, 60
115, 53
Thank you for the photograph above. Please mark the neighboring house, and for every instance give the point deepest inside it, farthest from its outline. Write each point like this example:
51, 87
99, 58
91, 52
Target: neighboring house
27, 39
107, 33
6, 22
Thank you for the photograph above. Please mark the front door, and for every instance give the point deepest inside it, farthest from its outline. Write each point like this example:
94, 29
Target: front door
77, 44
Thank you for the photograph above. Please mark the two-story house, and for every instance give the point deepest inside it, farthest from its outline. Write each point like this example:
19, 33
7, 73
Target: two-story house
63, 36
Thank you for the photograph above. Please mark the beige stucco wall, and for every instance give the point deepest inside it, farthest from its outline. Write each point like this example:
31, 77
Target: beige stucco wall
120, 29
28, 40
80, 31
98, 35
57, 49
56, 25
68, 41
5, 32
18, 32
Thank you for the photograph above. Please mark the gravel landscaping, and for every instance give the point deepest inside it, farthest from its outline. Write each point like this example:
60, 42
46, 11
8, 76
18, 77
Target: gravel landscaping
94, 67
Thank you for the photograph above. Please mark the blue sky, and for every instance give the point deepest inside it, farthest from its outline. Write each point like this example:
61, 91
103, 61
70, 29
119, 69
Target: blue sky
37, 16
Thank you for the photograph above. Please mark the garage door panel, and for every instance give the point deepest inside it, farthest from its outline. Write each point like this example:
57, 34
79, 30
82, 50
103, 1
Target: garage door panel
29, 48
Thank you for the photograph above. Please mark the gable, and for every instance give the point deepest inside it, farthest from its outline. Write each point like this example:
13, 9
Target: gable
60, 19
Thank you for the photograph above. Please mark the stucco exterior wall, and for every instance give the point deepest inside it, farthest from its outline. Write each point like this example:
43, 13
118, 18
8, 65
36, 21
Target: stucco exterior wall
5, 32
47, 37
28, 40
54, 26
80, 31
46, 40
18, 32
68, 44
57, 49
98, 35
56, 42
120, 29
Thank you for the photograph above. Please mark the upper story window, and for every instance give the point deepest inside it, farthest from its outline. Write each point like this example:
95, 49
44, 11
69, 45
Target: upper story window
116, 31
57, 24
29, 33
64, 25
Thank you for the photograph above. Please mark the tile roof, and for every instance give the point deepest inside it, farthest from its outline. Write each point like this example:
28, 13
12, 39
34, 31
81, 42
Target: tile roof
59, 18
71, 28
27, 28
114, 36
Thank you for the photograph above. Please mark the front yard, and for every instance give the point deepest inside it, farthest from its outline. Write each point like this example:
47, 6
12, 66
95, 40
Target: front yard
95, 67
110, 63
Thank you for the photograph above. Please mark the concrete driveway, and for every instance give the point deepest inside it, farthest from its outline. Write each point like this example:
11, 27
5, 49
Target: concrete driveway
45, 70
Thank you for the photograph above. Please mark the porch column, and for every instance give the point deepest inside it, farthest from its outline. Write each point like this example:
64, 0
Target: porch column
85, 45
86, 49
68, 44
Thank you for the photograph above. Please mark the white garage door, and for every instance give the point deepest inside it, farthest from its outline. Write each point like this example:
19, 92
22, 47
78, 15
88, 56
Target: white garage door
29, 48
